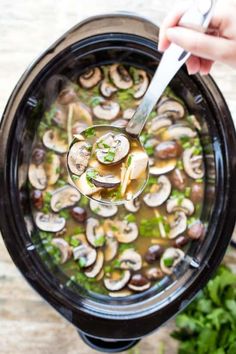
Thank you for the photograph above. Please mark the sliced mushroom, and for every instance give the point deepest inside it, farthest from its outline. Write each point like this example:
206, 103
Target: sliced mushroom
53, 141
193, 164
103, 210
120, 77
78, 157
119, 147
139, 282
168, 149
95, 233
179, 225
38, 156
107, 181
154, 273
130, 259
37, 199
195, 230
132, 205
178, 179
37, 176
64, 197
111, 248
161, 167
64, 248
185, 205
158, 123
128, 232
66, 96
121, 293
177, 131
95, 269
153, 253
90, 78
128, 113
171, 257
53, 169
160, 196
49, 222
85, 186
85, 254
120, 123
142, 85
107, 110
118, 283
82, 113
171, 107
107, 89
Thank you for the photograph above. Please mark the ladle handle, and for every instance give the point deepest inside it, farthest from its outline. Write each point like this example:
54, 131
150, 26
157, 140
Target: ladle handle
198, 16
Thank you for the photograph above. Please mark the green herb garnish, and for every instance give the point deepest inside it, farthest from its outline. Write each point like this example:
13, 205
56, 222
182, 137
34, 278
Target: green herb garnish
168, 262
130, 218
99, 241
109, 157
89, 132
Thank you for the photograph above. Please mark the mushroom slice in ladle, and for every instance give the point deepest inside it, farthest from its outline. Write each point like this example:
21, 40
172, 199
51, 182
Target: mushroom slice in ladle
130, 259
160, 196
132, 205
78, 157
118, 283
142, 85
128, 232
37, 176
120, 77
52, 140
107, 181
107, 110
179, 225
95, 269
64, 197
185, 205
85, 254
103, 210
95, 233
107, 89
163, 166
171, 257
171, 107
119, 147
193, 164
85, 186
139, 282
64, 248
90, 78
49, 222
111, 248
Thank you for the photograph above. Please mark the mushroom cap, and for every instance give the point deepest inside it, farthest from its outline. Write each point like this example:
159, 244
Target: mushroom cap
128, 232
117, 284
120, 76
139, 282
177, 131
193, 164
107, 181
162, 166
90, 78
95, 233
78, 157
111, 248
107, 89
141, 87
37, 176
158, 198
130, 259
85, 252
119, 144
64, 248
95, 269
103, 210
49, 222
185, 205
107, 110
64, 197
132, 205
179, 225
174, 256
53, 141
158, 123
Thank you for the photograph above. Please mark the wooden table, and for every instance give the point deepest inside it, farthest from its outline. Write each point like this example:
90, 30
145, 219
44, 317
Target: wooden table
27, 323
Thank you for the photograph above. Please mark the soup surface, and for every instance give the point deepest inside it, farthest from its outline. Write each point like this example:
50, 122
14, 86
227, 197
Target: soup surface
110, 249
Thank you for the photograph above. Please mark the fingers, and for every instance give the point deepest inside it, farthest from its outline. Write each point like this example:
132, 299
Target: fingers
200, 44
195, 65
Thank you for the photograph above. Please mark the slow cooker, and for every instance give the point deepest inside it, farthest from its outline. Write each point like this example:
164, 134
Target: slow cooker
111, 324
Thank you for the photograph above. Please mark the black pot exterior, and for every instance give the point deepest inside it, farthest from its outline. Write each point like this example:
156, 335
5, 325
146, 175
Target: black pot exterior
100, 40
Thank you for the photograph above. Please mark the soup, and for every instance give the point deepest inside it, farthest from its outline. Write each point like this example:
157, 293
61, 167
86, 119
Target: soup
107, 165
109, 249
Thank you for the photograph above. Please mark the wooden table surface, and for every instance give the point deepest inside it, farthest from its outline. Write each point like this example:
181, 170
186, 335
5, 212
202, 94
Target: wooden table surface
27, 323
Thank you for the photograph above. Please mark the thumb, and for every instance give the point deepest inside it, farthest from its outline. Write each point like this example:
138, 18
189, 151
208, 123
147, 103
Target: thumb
200, 44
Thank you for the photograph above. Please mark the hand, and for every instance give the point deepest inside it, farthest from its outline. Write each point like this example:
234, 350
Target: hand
217, 44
